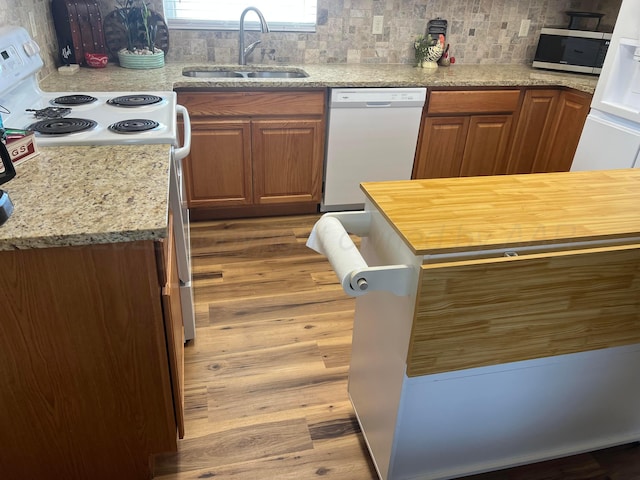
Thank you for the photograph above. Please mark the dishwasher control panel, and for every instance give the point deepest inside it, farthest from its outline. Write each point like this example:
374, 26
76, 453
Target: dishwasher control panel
378, 97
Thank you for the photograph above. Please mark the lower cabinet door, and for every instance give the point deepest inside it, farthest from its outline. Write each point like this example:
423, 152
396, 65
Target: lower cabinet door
287, 161
441, 147
573, 108
174, 328
486, 147
534, 127
218, 169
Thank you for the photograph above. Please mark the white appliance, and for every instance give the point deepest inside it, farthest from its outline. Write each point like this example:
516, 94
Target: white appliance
372, 136
99, 118
611, 135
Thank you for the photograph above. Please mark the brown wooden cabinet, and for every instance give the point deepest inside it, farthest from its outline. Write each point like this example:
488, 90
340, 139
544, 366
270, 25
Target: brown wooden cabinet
535, 122
486, 145
254, 149
173, 323
562, 142
465, 133
90, 360
548, 130
219, 167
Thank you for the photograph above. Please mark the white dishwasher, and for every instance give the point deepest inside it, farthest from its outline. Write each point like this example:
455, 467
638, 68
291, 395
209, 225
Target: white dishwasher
372, 136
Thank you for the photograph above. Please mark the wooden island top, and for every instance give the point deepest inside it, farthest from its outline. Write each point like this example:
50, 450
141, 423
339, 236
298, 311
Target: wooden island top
449, 215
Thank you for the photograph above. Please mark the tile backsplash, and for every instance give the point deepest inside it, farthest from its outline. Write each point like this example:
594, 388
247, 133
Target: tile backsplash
479, 31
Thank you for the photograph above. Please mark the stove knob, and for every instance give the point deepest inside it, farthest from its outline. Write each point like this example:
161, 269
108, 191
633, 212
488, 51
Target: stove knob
31, 48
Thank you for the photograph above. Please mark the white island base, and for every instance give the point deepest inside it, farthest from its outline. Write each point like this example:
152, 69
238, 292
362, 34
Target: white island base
458, 423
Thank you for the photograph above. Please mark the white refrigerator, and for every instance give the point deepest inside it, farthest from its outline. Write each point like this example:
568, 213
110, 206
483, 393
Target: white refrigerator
611, 135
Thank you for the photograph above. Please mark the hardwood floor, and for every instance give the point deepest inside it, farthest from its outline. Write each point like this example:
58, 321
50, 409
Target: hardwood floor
266, 378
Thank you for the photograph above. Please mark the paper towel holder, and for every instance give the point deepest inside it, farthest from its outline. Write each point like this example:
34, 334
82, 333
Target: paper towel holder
396, 279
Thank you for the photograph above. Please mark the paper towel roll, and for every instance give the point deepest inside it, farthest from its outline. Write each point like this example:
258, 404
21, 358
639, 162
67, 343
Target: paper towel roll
329, 238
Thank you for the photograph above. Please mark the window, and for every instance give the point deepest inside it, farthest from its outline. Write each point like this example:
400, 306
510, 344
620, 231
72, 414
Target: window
281, 15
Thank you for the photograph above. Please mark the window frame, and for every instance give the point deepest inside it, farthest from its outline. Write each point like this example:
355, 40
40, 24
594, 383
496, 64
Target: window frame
251, 23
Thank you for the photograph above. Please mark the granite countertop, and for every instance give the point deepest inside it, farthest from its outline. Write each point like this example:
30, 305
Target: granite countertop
170, 77
88, 195
104, 194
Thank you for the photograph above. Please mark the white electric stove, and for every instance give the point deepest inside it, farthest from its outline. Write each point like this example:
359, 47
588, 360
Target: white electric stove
98, 118
106, 118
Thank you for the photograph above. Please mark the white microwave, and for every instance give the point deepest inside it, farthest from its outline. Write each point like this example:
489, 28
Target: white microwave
579, 51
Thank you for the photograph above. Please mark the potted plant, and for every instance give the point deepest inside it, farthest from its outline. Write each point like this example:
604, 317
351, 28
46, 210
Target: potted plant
140, 27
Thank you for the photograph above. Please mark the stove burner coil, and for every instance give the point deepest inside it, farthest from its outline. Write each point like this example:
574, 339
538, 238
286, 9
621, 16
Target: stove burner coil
133, 126
61, 126
134, 100
50, 112
74, 100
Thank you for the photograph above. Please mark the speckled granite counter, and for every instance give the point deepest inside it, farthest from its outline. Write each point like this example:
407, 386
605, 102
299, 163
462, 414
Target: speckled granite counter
84, 195
343, 75
88, 195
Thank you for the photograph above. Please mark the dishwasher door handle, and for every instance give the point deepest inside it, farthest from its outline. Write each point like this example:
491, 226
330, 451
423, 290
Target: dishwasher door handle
378, 104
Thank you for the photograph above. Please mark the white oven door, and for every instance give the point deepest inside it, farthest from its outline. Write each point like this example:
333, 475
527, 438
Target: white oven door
178, 205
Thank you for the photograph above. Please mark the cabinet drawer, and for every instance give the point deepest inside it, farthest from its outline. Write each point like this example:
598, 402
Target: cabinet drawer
473, 101
253, 103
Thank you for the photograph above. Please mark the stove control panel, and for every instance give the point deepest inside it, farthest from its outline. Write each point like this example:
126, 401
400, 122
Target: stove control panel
19, 64
19, 56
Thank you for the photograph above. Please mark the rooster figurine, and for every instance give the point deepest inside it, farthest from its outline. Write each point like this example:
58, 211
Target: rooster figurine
429, 50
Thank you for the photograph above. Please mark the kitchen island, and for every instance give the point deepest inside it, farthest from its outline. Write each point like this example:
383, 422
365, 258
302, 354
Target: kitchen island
514, 335
90, 342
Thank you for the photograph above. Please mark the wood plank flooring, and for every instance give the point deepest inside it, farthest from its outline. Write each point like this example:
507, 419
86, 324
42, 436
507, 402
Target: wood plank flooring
266, 378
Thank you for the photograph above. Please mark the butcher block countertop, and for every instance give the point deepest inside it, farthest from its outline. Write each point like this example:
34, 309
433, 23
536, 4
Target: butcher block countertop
456, 215
88, 195
320, 76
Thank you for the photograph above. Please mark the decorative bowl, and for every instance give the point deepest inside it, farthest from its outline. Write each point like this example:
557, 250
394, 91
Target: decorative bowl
96, 60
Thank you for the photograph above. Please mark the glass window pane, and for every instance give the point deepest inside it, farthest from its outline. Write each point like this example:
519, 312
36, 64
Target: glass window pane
281, 15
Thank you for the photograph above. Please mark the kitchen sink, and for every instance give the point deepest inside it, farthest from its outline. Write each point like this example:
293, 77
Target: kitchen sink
242, 73
277, 74
212, 74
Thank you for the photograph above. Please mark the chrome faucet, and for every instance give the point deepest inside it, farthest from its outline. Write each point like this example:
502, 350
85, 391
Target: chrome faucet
243, 52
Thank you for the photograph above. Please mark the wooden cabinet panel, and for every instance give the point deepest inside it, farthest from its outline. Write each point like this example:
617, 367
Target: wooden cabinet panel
440, 147
253, 103
173, 325
549, 124
533, 130
83, 360
472, 101
218, 169
486, 145
255, 149
465, 133
287, 158
573, 108
525, 307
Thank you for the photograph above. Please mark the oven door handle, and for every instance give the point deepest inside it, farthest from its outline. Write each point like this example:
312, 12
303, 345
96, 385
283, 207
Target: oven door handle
183, 151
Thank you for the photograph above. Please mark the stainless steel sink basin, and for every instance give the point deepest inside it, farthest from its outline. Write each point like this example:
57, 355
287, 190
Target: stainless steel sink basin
275, 74
212, 74
242, 73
